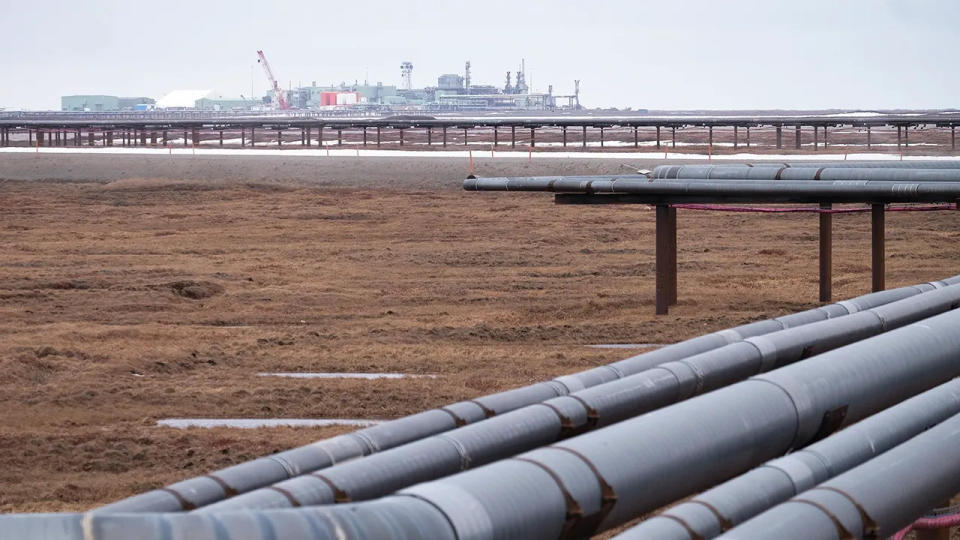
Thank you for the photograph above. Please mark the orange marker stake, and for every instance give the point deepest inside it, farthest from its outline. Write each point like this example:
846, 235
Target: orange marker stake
471, 161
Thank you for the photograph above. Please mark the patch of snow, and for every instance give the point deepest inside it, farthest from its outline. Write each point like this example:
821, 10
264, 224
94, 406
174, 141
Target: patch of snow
252, 423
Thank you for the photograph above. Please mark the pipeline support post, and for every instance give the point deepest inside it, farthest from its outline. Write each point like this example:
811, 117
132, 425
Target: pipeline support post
673, 139
779, 136
584, 140
735, 134
533, 138
826, 253
748, 136
666, 258
562, 129
798, 137
877, 246
635, 142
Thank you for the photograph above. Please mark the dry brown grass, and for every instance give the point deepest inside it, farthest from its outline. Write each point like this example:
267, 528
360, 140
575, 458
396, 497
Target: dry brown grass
100, 337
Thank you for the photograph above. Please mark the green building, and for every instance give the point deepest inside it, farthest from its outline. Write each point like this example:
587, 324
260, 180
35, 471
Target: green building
90, 103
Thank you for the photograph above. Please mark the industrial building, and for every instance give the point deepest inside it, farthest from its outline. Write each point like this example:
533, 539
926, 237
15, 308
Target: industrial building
453, 91
100, 103
206, 100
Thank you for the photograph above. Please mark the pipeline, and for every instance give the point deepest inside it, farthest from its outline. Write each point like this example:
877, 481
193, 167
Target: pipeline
718, 509
882, 164
732, 190
218, 485
873, 500
809, 210
604, 478
803, 172
601, 479
555, 419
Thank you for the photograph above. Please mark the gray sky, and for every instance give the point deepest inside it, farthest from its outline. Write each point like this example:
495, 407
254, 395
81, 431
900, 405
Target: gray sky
696, 54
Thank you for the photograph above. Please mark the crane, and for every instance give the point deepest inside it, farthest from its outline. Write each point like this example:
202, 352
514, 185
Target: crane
280, 99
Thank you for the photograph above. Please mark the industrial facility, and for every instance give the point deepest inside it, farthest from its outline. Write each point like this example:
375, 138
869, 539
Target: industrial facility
452, 92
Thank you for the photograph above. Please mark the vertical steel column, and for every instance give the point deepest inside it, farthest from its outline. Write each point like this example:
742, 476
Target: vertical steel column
196, 137
153, 138
430, 137
143, 137
665, 272
444, 136
279, 137
243, 137
710, 136
309, 135
636, 143
364, 137
340, 137
29, 137
533, 138
319, 136
868, 137
953, 137
779, 136
826, 253
672, 263
636, 137
584, 141
400, 130
735, 137
378, 137
303, 137
878, 239
816, 138
898, 137
253, 136
185, 143
824, 137
748, 136
798, 137
601, 136
109, 137
91, 138
673, 140
221, 137
564, 130
906, 137
496, 135
464, 136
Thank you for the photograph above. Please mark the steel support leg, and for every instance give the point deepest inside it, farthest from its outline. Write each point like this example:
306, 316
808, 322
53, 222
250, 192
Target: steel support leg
906, 137
736, 135
666, 258
899, 137
601, 136
868, 137
221, 137
824, 137
279, 137
253, 136
673, 140
309, 136
496, 135
533, 137
710, 136
636, 142
816, 138
378, 137
243, 137
826, 254
564, 130
430, 137
953, 137
364, 136
340, 137
464, 136
798, 137
878, 240
444, 136
779, 136
748, 136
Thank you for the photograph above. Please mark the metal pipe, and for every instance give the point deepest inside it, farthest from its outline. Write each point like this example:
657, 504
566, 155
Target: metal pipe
804, 172
725, 506
645, 190
873, 500
218, 485
536, 425
882, 164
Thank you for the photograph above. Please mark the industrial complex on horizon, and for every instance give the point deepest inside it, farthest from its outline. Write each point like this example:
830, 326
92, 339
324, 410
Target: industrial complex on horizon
453, 92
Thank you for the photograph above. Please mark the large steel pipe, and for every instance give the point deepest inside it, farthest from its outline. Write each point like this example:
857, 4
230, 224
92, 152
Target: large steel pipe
803, 172
219, 485
605, 404
733, 190
714, 511
874, 500
882, 164
401, 518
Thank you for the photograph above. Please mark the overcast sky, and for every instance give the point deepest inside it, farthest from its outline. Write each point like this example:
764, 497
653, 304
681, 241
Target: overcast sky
696, 54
